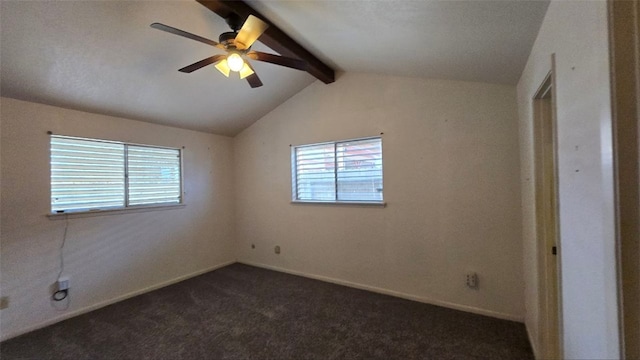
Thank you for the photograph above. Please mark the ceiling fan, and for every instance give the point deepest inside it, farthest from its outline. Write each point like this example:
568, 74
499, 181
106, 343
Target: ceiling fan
237, 44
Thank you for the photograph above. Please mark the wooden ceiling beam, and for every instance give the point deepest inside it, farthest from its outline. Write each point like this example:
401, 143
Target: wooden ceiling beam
274, 38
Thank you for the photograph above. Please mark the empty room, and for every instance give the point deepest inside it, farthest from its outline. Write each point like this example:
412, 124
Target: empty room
319, 179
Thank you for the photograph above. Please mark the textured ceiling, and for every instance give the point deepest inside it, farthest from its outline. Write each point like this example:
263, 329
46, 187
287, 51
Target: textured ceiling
484, 41
102, 56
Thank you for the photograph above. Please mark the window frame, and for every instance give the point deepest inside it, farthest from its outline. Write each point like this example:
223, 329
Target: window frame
294, 180
126, 207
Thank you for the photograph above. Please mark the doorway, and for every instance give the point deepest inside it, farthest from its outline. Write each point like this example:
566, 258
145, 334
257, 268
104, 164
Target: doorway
547, 232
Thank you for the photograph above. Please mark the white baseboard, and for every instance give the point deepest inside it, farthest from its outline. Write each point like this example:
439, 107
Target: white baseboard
446, 304
102, 304
534, 345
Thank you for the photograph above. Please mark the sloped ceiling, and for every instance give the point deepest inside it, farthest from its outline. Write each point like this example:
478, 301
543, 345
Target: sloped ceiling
102, 56
478, 40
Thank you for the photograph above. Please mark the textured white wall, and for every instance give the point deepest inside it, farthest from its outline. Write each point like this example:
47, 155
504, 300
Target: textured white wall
106, 257
451, 183
576, 31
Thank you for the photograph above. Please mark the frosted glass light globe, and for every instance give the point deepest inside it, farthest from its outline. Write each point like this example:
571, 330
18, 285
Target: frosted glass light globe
235, 62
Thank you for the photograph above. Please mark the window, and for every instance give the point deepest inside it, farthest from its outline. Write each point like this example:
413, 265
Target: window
343, 171
90, 174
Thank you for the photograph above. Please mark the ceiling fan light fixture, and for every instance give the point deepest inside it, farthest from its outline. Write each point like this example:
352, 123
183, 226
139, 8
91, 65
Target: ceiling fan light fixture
223, 67
245, 71
235, 62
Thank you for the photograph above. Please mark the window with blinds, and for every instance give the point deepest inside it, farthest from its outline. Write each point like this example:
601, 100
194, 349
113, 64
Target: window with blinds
342, 171
91, 174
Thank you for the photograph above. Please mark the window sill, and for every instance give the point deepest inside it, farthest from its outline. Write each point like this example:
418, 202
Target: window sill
91, 213
341, 203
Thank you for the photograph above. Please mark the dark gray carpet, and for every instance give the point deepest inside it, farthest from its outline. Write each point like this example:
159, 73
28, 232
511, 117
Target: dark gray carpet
243, 312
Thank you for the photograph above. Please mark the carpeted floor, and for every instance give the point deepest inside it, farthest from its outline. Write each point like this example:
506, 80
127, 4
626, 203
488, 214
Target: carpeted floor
243, 312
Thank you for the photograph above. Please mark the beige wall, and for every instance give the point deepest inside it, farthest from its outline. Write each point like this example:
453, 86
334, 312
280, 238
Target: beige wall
451, 184
106, 257
576, 31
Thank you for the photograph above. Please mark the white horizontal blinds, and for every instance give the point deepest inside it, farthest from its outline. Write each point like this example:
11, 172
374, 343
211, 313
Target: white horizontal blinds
359, 170
315, 175
86, 174
153, 175
341, 171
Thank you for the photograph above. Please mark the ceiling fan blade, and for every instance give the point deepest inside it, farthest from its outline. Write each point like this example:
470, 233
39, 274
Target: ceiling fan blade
188, 35
278, 60
246, 71
202, 63
223, 67
251, 30
253, 79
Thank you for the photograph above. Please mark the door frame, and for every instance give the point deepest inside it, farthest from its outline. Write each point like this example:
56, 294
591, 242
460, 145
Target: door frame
624, 55
547, 218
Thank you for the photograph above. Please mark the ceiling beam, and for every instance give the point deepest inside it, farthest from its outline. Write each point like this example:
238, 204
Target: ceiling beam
274, 38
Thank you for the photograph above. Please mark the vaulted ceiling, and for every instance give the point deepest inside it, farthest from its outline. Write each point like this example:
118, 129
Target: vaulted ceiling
102, 56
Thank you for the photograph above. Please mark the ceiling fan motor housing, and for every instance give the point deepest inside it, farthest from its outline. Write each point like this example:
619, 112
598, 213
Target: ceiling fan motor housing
228, 39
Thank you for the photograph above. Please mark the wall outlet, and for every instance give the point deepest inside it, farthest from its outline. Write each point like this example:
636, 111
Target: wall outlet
277, 249
472, 280
63, 283
253, 246
4, 302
